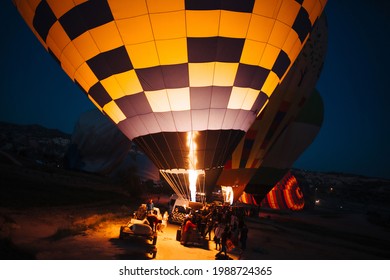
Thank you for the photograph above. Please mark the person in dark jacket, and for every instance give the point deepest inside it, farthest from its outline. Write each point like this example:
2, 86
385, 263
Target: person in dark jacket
153, 220
243, 236
224, 237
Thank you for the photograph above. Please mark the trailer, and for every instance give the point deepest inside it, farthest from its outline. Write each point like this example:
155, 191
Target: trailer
142, 235
141, 230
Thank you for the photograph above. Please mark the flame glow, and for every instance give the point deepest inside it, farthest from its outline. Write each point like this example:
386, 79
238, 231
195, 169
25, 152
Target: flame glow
228, 194
193, 176
192, 172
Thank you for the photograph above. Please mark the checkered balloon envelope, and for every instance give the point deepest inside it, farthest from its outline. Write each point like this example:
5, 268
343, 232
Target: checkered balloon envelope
168, 71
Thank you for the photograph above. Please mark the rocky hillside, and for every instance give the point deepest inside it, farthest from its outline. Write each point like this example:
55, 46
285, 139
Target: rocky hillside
32, 144
347, 187
347, 193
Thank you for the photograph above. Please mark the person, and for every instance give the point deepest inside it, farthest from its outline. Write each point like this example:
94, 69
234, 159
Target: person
233, 220
217, 236
209, 228
224, 238
164, 222
243, 236
153, 221
149, 206
188, 226
234, 233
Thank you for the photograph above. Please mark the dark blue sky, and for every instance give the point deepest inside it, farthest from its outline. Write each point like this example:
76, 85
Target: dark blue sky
355, 135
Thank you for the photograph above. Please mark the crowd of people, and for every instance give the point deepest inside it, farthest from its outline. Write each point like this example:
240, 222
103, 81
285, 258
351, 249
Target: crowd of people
224, 225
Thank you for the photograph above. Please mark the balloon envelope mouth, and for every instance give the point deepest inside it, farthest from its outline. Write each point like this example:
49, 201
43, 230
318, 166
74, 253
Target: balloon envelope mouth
188, 184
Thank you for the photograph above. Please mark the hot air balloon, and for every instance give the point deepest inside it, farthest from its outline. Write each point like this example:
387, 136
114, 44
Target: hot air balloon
183, 79
285, 195
287, 148
98, 146
274, 142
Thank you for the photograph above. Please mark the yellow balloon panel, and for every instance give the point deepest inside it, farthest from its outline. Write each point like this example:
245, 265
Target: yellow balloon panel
291, 40
158, 100
72, 54
123, 9
252, 52
135, 30
202, 23
269, 56
260, 28
250, 98
201, 74
101, 33
158, 6
172, 51
234, 24
169, 25
179, 99
129, 82
143, 55
279, 34
270, 84
288, 12
85, 77
57, 39
224, 73
112, 84
112, 109
86, 46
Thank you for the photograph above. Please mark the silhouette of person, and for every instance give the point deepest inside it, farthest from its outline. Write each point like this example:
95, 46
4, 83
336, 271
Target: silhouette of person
149, 205
243, 236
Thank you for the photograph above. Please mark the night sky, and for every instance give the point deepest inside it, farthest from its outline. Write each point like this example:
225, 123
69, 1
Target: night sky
355, 135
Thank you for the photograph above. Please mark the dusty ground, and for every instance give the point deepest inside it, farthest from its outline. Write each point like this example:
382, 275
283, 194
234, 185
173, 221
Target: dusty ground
81, 220
57, 234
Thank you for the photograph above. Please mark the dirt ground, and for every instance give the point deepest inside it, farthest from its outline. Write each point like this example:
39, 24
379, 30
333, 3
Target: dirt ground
60, 233
65, 221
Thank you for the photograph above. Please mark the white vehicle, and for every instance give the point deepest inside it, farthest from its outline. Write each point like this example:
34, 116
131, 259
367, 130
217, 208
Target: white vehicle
140, 231
180, 208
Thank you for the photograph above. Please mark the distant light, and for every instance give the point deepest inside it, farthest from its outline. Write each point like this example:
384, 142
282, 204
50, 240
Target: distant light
331, 189
317, 201
341, 206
